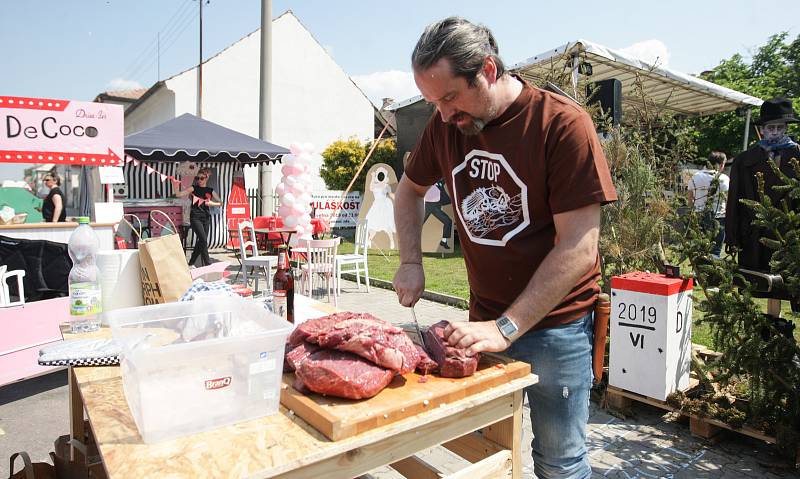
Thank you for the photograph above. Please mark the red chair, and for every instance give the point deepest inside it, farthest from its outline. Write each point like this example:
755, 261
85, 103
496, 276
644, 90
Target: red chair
272, 240
262, 222
276, 239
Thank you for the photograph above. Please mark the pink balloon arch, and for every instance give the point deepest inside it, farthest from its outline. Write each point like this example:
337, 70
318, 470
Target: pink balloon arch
295, 189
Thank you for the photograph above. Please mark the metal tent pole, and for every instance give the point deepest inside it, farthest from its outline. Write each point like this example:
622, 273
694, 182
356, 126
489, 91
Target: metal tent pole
746, 129
265, 104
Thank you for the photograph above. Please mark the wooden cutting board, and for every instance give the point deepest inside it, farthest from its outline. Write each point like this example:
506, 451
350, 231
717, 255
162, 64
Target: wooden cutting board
404, 397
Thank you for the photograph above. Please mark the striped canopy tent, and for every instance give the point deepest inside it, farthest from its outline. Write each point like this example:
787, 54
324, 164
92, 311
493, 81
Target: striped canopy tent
189, 138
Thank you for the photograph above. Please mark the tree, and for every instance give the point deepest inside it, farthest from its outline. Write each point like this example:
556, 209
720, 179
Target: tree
760, 356
341, 160
773, 71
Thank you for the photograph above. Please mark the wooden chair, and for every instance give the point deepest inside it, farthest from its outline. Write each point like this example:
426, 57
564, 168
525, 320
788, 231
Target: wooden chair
248, 249
355, 261
320, 259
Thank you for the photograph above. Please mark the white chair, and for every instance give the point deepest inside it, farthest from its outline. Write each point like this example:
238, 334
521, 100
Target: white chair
357, 259
5, 293
250, 257
320, 259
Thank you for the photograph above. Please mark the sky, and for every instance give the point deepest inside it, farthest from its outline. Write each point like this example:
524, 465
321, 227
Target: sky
77, 49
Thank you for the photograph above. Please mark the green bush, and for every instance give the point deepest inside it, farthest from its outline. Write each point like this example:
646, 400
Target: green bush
341, 159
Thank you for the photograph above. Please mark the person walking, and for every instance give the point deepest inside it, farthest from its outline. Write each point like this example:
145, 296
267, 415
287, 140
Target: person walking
528, 175
200, 215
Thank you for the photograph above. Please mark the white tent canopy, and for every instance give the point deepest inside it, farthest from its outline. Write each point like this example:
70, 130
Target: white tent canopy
676, 91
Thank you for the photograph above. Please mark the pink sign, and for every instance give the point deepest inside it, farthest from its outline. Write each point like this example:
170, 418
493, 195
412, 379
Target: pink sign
41, 130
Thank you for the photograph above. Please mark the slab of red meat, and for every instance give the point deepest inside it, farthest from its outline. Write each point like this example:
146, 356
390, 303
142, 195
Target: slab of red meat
341, 374
371, 338
453, 362
426, 365
309, 330
363, 334
298, 354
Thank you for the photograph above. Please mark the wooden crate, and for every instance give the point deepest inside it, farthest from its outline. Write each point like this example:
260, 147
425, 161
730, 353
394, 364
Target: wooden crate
702, 427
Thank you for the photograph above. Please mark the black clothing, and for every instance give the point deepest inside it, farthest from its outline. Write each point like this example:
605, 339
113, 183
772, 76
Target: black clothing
435, 208
201, 227
49, 207
740, 232
46, 265
200, 220
204, 193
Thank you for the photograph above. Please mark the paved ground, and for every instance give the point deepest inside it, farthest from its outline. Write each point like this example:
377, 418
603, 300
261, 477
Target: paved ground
648, 445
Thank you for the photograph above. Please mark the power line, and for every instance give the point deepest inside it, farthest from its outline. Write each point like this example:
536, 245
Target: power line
152, 47
172, 36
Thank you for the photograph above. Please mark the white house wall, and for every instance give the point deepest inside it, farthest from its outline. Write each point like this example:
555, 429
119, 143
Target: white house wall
156, 109
314, 100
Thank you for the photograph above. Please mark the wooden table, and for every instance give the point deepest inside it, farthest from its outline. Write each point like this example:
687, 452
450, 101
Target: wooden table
285, 446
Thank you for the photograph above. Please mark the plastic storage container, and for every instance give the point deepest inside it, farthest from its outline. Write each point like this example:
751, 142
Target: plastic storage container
198, 365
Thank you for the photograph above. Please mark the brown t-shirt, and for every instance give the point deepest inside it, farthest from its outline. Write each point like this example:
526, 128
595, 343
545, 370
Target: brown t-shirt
539, 158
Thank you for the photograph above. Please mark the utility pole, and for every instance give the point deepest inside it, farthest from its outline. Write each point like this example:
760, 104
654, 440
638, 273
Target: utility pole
265, 104
200, 66
158, 57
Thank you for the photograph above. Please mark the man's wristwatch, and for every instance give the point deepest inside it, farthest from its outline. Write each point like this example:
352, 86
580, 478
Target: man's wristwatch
507, 327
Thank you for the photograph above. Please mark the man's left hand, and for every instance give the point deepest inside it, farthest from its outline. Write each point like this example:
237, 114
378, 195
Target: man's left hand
476, 337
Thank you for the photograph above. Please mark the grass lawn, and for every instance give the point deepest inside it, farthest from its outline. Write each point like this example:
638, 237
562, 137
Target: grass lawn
443, 274
447, 274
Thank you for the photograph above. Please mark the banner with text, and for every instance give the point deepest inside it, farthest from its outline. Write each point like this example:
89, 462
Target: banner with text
337, 212
42, 130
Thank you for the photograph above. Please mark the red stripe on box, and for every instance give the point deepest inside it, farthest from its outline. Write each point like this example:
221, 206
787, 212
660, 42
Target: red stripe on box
650, 283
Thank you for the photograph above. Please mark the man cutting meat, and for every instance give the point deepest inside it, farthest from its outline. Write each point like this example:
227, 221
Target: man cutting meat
527, 176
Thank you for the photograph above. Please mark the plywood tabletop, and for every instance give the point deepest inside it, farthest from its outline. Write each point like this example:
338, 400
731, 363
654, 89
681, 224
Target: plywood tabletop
264, 447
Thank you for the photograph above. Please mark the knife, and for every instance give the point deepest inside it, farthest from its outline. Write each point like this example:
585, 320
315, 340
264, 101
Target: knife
416, 325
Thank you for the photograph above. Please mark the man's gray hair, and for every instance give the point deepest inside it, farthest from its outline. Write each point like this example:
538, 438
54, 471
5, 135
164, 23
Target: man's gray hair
464, 44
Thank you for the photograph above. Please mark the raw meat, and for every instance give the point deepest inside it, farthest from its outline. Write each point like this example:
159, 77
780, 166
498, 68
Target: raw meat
453, 362
309, 330
341, 374
362, 334
426, 365
298, 354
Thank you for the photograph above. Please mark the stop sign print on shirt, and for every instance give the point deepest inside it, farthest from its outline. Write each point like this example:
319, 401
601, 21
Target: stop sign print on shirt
491, 200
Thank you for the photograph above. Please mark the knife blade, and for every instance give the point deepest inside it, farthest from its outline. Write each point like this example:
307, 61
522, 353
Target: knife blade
416, 325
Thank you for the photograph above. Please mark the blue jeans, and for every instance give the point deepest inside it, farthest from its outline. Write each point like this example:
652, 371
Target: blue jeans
709, 223
562, 358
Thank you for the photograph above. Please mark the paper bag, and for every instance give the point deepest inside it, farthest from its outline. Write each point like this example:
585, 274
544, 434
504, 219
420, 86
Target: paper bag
164, 270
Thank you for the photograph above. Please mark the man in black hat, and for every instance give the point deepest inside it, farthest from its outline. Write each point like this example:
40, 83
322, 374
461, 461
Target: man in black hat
775, 147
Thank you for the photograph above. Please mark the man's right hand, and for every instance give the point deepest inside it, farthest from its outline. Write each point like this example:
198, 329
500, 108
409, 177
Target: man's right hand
409, 283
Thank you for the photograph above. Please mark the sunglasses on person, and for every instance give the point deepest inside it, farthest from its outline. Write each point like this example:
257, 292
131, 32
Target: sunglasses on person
204, 177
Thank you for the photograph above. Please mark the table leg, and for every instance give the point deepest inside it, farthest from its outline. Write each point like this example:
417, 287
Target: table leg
508, 433
76, 423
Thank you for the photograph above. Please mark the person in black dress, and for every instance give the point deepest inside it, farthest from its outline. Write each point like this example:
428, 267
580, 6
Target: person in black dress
200, 216
53, 208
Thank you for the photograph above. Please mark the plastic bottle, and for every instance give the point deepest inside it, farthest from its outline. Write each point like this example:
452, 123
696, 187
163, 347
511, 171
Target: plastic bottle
84, 279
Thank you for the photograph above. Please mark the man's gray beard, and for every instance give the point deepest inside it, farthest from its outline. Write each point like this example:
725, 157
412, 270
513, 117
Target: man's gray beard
474, 128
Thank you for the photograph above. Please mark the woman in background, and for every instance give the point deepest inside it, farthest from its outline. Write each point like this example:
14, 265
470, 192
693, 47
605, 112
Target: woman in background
200, 216
53, 209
